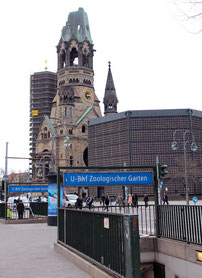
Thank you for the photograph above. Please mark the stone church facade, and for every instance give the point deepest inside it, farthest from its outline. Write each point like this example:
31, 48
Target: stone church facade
62, 138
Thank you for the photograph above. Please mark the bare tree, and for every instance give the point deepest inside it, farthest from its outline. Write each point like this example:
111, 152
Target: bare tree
189, 13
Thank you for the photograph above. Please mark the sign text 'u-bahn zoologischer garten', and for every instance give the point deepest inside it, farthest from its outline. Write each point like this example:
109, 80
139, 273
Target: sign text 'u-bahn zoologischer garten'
129, 178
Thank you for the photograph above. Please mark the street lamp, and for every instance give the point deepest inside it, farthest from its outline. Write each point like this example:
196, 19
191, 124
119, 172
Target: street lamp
41, 165
193, 148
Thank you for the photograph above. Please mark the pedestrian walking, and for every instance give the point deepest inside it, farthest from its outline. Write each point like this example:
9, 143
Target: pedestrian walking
165, 199
106, 203
89, 201
135, 200
103, 199
20, 209
146, 200
79, 202
129, 200
118, 201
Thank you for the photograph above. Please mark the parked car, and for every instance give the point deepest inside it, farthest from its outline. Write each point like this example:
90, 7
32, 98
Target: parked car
39, 199
12, 201
71, 200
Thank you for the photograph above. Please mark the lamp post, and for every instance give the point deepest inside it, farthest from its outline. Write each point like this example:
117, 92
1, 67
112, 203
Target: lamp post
193, 148
67, 144
42, 162
6, 180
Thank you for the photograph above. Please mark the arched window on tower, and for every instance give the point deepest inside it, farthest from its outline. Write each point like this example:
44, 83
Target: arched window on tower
65, 112
45, 133
74, 57
62, 59
85, 59
71, 161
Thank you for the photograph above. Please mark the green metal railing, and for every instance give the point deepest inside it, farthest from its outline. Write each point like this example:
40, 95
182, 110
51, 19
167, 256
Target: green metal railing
101, 238
146, 215
181, 223
31, 209
39, 208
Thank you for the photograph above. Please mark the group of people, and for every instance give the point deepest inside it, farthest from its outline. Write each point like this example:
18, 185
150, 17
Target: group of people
132, 201
89, 201
20, 209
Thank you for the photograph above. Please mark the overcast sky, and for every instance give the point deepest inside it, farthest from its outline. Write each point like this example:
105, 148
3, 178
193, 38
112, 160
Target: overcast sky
155, 62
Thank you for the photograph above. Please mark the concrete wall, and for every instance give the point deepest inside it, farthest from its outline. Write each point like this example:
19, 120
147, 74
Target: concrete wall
178, 257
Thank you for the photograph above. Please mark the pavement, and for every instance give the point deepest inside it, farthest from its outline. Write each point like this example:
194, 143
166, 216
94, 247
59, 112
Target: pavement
27, 251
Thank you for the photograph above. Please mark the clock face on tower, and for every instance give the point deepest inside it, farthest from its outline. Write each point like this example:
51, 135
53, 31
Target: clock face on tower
88, 95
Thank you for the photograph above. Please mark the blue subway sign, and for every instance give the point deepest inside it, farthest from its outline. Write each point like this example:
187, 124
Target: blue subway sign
29, 188
94, 179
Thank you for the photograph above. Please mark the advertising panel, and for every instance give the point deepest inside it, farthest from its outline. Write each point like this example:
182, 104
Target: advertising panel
52, 198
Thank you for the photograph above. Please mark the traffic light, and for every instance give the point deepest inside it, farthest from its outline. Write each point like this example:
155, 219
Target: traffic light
163, 170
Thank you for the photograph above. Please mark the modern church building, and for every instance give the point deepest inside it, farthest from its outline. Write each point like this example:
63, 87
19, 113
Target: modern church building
136, 138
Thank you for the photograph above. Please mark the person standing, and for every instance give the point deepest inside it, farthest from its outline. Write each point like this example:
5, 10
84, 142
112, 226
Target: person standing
165, 199
20, 209
146, 200
135, 200
106, 203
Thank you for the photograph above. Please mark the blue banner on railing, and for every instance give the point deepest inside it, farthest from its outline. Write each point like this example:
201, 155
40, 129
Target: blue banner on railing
129, 178
29, 188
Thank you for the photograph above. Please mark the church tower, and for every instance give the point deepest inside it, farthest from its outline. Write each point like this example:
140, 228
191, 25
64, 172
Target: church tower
75, 102
110, 99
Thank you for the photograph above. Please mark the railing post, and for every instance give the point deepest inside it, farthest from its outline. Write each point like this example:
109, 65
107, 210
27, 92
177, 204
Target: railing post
156, 184
131, 246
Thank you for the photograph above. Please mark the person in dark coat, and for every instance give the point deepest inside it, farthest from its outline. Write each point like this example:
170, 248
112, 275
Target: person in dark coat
135, 200
20, 209
103, 199
165, 199
146, 200
106, 203
79, 202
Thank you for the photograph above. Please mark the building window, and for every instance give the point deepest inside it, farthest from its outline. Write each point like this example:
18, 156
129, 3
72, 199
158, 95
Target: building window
61, 131
83, 129
65, 111
70, 131
71, 161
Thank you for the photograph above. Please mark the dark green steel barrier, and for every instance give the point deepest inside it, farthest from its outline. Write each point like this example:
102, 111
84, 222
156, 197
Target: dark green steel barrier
102, 237
181, 223
146, 215
2, 210
39, 208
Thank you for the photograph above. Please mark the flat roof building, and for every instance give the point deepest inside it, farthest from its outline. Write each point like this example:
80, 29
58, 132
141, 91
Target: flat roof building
135, 138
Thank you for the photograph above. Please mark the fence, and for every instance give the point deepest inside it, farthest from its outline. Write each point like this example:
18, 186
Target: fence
181, 223
146, 215
31, 209
99, 237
